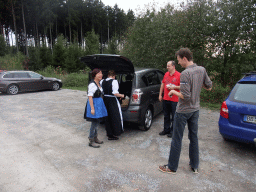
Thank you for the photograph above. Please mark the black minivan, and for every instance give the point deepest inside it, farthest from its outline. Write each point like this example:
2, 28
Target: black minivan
141, 87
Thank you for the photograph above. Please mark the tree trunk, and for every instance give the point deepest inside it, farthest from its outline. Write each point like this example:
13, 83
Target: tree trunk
24, 24
38, 38
15, 28
51, 36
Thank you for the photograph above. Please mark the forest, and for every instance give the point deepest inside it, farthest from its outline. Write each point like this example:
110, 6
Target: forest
221, 35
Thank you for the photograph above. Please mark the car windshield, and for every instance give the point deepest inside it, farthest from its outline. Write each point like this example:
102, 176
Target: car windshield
245, 93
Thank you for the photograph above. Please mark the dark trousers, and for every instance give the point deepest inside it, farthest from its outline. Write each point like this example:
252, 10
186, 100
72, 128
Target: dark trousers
180, 121
169, 111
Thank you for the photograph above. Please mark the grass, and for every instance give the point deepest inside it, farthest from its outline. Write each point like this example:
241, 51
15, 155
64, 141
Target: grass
76, 88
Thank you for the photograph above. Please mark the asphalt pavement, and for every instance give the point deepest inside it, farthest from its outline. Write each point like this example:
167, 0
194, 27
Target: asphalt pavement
44, 148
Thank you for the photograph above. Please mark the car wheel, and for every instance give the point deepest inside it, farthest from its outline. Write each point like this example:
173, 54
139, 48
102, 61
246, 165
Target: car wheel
12, 89
55, 86
147, 120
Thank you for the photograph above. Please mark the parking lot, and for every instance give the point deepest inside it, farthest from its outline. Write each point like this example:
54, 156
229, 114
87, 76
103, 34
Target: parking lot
44, 148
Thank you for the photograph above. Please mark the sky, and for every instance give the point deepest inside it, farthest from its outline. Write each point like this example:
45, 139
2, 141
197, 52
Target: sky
139, 5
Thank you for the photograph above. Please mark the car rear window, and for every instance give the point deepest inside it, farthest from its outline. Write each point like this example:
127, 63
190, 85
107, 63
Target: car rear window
8, 75
244, 93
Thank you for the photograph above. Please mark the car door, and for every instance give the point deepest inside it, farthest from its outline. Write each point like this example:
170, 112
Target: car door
153, 89
22, 80
37, 81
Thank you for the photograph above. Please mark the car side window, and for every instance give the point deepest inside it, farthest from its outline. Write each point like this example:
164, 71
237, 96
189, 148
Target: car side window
8, 75
160, 75
151, 78
34, 75
22, 75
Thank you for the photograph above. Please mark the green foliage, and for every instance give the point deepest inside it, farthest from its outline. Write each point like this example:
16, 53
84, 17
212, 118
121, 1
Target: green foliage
76, 80
217, 95
112, 46
35, 62
72, 62
59, 52
79, 79
3, 47
46, 56
13, 62
92, 43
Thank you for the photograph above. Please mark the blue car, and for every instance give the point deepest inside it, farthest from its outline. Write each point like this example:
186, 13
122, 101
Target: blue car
238, 112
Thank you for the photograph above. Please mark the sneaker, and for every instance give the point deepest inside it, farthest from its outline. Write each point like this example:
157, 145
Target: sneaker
194, 170
165, 169
163, 133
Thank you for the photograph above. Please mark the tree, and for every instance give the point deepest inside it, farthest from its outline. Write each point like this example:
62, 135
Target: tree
92, 43
3, 47
59, 52
235, 39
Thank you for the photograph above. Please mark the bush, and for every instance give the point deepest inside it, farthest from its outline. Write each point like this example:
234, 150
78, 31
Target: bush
79, 79
217, 95
13, 62
76, 80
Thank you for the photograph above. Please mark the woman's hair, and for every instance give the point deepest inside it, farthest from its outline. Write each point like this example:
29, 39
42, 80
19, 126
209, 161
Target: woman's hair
111, 73
94, 72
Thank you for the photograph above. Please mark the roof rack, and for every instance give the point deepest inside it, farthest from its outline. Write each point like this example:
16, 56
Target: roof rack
250, 73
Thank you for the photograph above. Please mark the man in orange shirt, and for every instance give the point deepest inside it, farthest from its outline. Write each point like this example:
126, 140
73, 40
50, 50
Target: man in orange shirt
171, 81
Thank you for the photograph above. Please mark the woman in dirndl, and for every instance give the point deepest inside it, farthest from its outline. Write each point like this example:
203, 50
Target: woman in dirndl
95, 108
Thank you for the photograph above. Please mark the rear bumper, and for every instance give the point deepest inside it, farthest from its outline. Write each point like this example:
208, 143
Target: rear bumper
237, 133
132, 114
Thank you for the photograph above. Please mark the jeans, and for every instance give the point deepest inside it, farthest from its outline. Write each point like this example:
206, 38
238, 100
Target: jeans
180, 121
169, 110
93, 129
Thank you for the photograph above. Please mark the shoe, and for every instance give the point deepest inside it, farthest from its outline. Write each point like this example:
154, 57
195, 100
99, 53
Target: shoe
92, 144
194, 170
165, 169
113, 138
163, 133
169, 135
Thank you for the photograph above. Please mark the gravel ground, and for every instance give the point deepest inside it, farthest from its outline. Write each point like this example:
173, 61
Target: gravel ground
44, 147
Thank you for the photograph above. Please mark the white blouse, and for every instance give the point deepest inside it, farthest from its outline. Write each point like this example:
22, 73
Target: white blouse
115, 85
92, 88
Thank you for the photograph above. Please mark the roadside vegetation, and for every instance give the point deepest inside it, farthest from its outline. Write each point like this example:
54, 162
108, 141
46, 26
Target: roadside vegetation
220, 34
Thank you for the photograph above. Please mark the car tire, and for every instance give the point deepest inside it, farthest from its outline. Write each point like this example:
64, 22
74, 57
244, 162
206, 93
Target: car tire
225, 139
13, 89
147, 120
55, 86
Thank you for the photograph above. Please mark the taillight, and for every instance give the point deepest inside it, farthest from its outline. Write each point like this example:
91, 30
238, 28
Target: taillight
136, 96
224, 110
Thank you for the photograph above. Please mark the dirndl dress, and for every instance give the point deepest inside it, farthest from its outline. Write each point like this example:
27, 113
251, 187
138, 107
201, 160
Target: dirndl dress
99, 107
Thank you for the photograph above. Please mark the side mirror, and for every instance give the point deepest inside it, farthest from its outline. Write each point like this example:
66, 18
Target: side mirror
42, 77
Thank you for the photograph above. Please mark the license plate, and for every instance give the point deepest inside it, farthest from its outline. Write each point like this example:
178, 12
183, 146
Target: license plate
250, 119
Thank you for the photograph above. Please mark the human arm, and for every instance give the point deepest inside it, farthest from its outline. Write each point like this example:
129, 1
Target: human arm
173, 92
172, 87
91, 90
161, 92
115, 88
207, 85
91, 104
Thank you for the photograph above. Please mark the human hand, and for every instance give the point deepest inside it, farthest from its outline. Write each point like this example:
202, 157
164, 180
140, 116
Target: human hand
92, 111
160, 98
172, 87
170, 93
